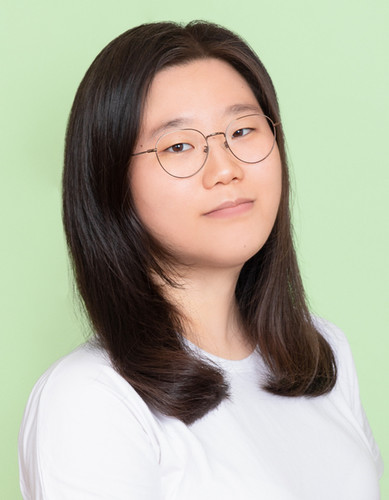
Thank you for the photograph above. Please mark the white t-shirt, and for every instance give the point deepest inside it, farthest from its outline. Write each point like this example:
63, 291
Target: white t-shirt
87, 434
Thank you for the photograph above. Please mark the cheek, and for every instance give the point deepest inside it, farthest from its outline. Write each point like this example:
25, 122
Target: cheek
268, 180
161, 202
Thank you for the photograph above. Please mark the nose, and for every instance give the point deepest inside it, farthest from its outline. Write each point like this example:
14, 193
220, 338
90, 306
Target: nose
221, 166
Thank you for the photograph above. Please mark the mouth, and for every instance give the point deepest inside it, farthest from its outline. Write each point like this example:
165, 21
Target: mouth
230, 208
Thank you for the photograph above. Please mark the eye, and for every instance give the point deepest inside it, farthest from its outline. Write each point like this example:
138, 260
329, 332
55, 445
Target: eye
178, 148
241, 132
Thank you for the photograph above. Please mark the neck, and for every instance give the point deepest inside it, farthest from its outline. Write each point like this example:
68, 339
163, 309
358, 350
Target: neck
207, 302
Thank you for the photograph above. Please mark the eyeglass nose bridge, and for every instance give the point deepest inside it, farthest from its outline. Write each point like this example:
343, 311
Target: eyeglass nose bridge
206, 149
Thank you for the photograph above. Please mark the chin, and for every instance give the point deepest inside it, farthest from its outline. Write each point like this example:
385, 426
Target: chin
228, 258
242, 253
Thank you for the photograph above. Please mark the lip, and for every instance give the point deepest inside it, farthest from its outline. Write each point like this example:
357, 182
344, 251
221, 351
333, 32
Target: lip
230, 208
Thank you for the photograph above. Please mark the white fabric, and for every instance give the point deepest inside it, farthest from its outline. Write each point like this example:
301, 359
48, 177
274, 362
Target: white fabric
86, 434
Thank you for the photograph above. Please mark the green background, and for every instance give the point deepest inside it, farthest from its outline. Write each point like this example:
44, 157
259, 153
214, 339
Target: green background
329, 63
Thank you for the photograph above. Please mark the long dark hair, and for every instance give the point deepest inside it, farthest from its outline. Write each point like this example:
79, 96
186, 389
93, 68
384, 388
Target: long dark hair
114, 258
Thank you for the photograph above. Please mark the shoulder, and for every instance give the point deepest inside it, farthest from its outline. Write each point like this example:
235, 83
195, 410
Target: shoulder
347, 387
81, 376
84, 419
347, 381
339, 344
82, 384
332, 333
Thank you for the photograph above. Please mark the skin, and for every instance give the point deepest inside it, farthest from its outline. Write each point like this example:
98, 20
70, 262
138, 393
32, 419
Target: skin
210, 246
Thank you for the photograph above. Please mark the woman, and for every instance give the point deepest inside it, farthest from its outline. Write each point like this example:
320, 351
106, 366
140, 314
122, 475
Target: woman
207, 376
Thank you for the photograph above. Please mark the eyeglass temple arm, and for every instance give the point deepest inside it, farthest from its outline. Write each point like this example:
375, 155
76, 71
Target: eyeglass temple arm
144, 152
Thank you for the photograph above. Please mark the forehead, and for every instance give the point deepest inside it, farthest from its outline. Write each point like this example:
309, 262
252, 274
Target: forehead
199, 93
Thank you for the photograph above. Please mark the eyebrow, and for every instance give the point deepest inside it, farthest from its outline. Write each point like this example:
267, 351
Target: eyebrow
176, 123
243, 108
182, 122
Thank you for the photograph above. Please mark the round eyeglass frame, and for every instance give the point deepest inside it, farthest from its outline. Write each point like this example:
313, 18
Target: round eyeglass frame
206, 149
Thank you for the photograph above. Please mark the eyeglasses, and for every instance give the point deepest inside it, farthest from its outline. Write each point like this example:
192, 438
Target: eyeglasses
183, 153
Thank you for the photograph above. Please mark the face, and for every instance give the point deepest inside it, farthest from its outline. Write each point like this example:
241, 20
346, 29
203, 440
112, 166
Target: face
223, 215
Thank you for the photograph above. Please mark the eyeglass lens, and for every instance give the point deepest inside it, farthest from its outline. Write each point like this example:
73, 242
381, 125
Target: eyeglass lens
250, 139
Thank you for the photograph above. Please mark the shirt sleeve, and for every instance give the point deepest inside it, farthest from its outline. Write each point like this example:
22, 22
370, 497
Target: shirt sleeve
348, 384
86, 434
